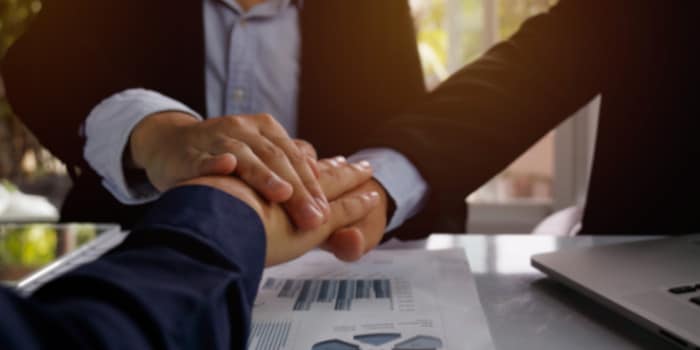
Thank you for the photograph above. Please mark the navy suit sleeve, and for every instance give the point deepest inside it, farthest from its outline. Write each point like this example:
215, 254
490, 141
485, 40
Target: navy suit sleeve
186, 278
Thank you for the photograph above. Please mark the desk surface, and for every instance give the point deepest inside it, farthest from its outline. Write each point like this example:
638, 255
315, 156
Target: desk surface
525, 310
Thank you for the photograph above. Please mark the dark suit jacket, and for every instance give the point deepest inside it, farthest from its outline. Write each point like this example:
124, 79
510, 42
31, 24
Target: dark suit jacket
185, 278
641, 56
359, 65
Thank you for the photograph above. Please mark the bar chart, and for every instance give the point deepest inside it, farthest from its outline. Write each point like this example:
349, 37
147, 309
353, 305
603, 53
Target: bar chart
341, 293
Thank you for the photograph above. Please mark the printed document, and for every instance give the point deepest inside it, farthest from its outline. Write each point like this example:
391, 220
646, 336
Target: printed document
390, 299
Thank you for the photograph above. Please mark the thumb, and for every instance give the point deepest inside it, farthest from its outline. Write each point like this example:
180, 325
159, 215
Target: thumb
344, 212
221, 164
350, 208
347, 244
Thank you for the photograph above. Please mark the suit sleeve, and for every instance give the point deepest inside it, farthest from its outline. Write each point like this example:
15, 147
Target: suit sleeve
186, 277
108, 129
480, 119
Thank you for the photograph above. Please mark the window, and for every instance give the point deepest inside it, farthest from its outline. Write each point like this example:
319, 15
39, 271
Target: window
452, 33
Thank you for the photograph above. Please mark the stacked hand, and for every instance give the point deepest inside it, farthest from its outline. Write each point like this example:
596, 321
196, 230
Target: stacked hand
284, 182
284, 240
173, 147
351, 241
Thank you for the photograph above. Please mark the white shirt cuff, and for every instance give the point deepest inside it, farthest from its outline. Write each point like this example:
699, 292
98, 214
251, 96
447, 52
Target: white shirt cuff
401, 180
108, 128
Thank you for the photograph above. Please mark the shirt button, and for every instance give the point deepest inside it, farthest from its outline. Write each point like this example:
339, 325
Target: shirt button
238, 95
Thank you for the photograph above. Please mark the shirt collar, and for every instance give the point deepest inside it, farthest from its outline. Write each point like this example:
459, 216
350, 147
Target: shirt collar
269, 8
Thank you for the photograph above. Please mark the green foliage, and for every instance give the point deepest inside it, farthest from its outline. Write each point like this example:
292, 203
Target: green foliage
84, 233
9, 186
512, 13
32, 245
433, 37
431, 18
17, 144
14, 18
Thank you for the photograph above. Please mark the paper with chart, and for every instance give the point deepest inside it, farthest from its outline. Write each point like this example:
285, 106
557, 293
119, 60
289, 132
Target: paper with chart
391, 299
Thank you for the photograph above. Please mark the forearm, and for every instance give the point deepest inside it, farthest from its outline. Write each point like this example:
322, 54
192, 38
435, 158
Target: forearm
187, 275
484, 116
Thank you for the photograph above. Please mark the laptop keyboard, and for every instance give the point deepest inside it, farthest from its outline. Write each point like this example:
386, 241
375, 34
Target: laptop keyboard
683, 289
687, 289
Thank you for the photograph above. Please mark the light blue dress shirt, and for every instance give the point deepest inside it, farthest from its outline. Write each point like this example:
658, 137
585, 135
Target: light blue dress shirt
251, 66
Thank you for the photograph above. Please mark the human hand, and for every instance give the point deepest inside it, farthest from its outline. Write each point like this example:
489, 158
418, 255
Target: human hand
350, 243
172, 147
284, 241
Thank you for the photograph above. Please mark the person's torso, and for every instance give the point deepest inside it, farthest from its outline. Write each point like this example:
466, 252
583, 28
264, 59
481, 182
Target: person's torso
358, 64
252, 59
644, 177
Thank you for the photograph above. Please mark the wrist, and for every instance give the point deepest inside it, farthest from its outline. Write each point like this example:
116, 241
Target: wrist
149, 135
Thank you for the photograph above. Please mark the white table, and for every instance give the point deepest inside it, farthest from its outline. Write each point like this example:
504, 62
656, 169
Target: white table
525, 310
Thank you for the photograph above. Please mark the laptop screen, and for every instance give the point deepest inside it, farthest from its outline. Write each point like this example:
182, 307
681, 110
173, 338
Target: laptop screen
26, 248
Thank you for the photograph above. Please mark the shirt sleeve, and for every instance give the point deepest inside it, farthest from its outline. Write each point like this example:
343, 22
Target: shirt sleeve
401, 180
107, 130
186, 277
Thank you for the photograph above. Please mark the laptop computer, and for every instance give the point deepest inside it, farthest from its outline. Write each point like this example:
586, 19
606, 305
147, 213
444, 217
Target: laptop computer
655, 283
32, 254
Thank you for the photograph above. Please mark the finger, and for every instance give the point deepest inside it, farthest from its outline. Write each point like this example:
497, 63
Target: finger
308, 187
307, 148
297, 152
347, 244
338, 176
268, 140
255, 172
371, 227
311, 155
313, 164
370, 237
222, 164
350, 209
306, 209
345, 211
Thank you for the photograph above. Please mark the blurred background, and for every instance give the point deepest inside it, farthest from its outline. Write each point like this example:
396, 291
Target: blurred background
451, 33
551, 176
27, 248
24, 165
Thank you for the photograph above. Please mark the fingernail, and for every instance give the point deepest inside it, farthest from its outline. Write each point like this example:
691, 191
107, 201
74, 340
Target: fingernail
362, 166
340, 159
371, 197
333, 162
